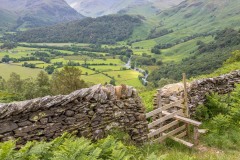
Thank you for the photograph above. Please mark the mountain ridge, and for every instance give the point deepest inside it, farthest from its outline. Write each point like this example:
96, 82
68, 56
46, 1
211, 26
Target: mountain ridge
35, 13
96, 8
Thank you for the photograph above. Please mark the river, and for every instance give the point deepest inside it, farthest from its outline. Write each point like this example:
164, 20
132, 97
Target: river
128, 66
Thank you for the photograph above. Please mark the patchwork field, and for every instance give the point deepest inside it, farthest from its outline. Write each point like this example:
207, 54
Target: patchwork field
94, 70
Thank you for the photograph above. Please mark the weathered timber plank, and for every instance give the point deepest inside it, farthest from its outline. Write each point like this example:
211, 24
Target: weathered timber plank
183, 134
166, 117
188, 144
156, 111
163, 128
183, 119
177, 103
152, 113
166, 135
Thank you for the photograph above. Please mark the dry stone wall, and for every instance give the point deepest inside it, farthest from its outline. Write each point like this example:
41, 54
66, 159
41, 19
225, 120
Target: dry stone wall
89, 112
197, 90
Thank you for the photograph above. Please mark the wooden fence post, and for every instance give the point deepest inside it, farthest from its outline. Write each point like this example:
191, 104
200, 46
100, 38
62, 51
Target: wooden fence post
196, 136
160, 106
186, 108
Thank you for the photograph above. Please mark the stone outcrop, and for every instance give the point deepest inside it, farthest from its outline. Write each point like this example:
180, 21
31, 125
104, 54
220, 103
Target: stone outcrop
89, 112
197, 90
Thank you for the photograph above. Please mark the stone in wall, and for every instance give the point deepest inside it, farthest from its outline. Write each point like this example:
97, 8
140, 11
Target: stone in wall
89, 112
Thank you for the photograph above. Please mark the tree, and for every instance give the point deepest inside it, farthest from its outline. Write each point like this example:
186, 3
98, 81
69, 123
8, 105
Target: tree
43, 84
155, 50
113, 82
66, 81
29, 89
50, 69
2, 83
14, 84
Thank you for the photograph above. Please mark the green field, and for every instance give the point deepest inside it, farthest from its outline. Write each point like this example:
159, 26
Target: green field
105, 68
7, 69
129, 77
96, 78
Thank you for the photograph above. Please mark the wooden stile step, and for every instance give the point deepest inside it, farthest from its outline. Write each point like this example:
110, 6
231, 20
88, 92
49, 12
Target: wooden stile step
188, 144
170, 134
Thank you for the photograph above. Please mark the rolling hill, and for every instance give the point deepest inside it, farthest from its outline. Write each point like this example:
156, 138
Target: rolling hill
35, 13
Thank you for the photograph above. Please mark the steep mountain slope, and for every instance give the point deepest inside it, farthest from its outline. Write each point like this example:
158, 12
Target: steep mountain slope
32, 13
195, 17
96, 8
7, 19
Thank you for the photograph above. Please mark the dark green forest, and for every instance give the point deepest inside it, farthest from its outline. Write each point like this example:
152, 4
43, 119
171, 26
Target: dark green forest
106, 29
208, 57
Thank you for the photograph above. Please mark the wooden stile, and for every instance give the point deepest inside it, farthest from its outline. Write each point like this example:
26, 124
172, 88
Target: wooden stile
167, 124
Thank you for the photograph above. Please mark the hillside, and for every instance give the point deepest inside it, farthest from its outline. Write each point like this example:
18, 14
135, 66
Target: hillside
37, 13
96, 8
195, 17
107, 29
7, 19
176, 34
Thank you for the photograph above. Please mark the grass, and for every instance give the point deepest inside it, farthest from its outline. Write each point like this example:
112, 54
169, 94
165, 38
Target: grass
182, 50
105, 68
128, 77
96, 78
84, 70
90, 61
7, 69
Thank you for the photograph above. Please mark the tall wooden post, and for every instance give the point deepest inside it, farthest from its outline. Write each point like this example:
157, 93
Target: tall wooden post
186, 108
159, 103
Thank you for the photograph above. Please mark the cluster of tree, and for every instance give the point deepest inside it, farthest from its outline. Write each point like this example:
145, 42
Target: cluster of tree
144, 60
62, 82
8, 45
72, 63
155, 34
147, 61
7, 59
106, 29
201, 63
29, 65
78, 50
45, 57
155, 50
225, 38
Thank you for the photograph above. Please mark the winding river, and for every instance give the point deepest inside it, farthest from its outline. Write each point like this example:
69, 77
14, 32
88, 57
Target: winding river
128, 66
